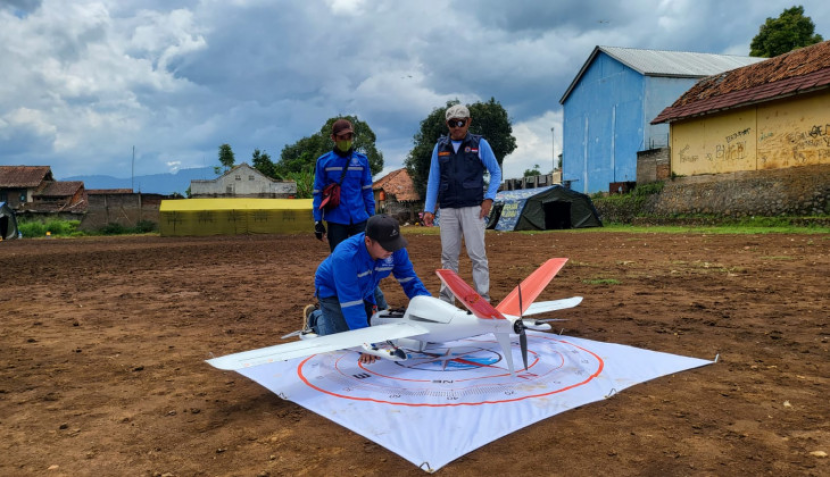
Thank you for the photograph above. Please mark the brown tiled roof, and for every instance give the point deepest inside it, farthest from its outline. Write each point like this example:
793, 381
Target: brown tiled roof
797, 72
60, 189
109, 191
399, 184
24, 176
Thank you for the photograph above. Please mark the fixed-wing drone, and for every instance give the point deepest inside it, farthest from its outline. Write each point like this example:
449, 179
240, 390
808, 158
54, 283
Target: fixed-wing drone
426, 321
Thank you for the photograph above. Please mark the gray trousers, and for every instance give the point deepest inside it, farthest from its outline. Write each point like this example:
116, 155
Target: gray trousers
465, 223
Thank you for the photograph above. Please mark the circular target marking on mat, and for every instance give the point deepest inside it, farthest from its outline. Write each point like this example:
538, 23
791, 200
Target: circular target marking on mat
462, 373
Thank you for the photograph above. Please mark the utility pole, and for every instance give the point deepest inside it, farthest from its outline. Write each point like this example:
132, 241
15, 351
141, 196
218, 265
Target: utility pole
553, 149
132, 179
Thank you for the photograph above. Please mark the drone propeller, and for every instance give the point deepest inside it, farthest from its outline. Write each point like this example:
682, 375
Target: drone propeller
519, 328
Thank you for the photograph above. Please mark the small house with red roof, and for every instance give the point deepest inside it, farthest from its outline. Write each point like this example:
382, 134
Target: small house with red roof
395, 195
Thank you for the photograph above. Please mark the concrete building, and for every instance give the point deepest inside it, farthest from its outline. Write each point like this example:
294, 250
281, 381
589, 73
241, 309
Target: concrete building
770, 115
609, 105
243, 181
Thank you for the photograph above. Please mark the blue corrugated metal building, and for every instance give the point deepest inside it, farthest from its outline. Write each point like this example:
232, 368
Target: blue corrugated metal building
610, 103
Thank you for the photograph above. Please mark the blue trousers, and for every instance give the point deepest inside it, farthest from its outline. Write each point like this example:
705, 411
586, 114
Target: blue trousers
329, 319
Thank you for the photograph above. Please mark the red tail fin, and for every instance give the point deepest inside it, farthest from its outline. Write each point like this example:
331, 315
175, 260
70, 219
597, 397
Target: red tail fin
532, 286
466, 295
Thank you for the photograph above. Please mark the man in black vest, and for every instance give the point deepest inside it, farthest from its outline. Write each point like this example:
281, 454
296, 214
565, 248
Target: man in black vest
456, 183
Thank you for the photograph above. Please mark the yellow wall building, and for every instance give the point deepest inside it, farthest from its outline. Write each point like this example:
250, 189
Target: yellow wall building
770, 115
784, 133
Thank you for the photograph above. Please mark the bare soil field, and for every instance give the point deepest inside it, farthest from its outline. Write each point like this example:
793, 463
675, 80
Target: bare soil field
103, 342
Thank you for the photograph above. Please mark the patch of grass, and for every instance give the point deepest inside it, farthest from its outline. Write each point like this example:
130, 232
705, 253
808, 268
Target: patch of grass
705, 230
418, 230
55, 228
778, 257
69, 228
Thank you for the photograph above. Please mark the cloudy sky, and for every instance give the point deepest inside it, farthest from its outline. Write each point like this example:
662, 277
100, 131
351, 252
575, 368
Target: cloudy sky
84, 81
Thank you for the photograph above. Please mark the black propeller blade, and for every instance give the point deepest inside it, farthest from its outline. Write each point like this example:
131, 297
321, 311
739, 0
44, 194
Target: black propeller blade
519, 328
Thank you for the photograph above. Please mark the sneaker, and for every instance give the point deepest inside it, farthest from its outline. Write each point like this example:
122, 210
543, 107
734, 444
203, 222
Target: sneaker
306, 314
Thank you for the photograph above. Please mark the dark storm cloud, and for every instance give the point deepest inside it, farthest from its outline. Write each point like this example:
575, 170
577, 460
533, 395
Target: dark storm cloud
89, 79
22, 6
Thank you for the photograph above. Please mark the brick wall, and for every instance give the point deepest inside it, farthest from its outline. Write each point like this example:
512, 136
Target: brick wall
653, 165
124, 209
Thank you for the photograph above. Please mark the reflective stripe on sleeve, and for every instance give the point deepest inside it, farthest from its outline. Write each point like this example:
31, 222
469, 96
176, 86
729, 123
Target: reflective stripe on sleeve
351, 303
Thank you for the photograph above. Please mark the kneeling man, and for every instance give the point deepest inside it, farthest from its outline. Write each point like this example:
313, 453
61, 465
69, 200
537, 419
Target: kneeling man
346, 280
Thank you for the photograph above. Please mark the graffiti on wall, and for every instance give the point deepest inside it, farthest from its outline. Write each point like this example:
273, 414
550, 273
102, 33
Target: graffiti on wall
738, 134
782, 134
685, 156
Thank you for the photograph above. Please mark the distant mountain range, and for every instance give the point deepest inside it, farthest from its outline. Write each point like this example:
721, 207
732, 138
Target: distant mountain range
152, 184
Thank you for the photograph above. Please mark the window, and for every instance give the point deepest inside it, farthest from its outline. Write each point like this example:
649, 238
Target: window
229, 189
250, 178
239, 178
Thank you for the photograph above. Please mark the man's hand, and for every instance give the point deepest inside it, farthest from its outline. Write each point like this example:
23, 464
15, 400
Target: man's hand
367, 358
486, 205
428, 218
319, 230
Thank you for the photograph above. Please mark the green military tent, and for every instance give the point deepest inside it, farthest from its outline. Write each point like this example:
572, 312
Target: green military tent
542, 208
233, 216
8, 223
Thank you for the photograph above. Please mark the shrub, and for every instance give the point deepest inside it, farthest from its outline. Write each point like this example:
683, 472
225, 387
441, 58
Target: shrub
145, 226
112, 229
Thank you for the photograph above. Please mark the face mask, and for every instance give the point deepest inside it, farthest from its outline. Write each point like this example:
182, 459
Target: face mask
344, 145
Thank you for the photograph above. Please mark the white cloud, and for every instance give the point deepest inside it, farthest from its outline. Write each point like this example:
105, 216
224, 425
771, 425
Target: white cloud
535, 145
86, 80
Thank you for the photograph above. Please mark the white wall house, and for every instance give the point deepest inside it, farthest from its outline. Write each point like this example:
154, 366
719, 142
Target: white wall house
243, 181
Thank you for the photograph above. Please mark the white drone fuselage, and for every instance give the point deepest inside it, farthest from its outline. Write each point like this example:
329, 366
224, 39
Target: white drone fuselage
427, 320
444, 321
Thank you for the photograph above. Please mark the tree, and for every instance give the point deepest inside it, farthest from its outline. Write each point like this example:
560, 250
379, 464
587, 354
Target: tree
489, 120
225, 158
302, 155
261, 161
790, 31
532, 172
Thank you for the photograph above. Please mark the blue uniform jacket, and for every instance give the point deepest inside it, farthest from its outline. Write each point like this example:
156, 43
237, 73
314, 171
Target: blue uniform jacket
351, 275
357, 203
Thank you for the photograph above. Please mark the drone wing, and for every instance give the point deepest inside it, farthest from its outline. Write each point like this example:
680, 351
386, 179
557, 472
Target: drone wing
531, 287
546, 306
480, 307
322, 344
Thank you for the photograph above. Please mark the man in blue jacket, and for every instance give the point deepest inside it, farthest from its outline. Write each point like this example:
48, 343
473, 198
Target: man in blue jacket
456, 183
349, 168
346, 280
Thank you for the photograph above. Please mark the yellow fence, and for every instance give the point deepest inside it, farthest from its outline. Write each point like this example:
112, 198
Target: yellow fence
235, 216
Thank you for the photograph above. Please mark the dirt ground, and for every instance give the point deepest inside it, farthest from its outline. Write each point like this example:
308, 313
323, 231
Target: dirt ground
102, 345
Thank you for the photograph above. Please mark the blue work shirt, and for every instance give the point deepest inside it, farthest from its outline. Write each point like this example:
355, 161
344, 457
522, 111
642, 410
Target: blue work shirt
351, 275
357, 202
488, 158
